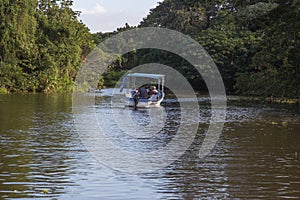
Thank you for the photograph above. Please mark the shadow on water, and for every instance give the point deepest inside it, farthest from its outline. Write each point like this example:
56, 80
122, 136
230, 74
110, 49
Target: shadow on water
257, 155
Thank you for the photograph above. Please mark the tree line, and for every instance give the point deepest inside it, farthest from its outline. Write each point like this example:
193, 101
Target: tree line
42, 45
255, 44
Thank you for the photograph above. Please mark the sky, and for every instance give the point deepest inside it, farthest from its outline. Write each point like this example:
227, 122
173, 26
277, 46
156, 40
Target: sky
108, 15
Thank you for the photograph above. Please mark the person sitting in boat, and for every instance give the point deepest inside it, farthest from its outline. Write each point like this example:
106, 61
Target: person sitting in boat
143, 93
152, 90
153, 93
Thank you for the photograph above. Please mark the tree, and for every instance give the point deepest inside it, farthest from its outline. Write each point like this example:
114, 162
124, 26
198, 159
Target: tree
17, 43
275, 67
42, 45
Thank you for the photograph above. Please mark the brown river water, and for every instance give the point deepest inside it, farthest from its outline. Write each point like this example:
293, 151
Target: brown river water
42, 156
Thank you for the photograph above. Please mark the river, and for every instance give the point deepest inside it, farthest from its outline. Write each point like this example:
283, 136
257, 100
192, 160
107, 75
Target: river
42, 155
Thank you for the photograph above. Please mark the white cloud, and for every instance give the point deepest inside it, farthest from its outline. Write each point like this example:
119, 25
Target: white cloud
98, 9
106, 16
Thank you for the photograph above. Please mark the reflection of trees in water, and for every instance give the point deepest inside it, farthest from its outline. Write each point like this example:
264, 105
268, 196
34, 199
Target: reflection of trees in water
16, 118
37, 132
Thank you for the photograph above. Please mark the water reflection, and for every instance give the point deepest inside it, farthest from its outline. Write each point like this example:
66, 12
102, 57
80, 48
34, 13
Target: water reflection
35, 144
140, 130
257, 156
254, 158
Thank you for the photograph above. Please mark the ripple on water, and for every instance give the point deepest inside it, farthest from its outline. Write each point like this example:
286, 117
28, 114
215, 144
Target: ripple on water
254, 158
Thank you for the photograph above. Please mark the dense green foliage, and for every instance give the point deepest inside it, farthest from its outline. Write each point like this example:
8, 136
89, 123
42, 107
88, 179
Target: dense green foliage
274, 69
42, 44
255, 44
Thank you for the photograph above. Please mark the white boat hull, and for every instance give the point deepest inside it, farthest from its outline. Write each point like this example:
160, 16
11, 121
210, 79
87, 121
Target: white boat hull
143, 103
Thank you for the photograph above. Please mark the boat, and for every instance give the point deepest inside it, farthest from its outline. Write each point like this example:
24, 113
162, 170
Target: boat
134, 83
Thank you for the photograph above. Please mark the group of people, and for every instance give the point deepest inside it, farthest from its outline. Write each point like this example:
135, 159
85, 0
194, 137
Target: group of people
142, 92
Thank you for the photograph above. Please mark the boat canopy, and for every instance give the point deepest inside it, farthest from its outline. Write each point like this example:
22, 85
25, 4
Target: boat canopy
159, 77
154, 76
